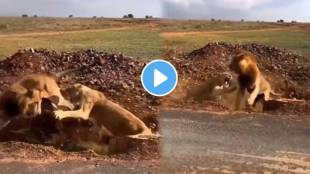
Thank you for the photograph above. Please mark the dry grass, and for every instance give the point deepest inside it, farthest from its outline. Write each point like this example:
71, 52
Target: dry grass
143, 38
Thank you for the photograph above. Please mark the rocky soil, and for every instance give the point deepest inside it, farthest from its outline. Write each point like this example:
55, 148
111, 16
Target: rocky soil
118, 77
288, 73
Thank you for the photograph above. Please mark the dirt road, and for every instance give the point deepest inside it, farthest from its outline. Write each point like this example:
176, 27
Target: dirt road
53, 33
207, 143
164, 34
180, 34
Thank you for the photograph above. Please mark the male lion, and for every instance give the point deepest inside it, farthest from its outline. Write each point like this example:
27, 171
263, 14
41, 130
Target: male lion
250, 78
25, 96
94, 105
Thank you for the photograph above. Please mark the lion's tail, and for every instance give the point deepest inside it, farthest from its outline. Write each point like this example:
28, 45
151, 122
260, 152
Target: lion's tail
276, 94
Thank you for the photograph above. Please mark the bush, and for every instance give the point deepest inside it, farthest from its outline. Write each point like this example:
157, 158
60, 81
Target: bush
130, 16
148, 17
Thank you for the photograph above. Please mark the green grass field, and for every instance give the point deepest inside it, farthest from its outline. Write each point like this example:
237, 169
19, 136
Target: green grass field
144, 38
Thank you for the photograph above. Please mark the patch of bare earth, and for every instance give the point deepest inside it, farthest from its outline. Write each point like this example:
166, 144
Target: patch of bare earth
118, 77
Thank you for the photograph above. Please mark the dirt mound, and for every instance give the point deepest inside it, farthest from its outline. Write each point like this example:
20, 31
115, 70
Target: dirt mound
116, 75
288, 73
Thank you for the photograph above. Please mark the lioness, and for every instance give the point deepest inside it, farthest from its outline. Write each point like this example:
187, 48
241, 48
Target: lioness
94, 105
250, 78
213, 88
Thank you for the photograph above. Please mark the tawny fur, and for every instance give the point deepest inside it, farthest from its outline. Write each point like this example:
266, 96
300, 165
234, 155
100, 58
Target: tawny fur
27, 93
249, 77
94, 105
212, 89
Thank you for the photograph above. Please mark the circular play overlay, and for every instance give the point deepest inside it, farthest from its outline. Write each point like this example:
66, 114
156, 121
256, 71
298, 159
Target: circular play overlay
159, 78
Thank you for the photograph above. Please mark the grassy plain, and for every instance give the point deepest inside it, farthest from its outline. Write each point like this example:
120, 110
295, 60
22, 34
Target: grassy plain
144, 38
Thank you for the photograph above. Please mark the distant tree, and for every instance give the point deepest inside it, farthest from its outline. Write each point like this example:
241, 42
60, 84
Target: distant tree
212, 19
125, 16
146, 17
24, 16
280, 21
70, 16
242, 20
131, 16
94, 17
35, 16
294, 22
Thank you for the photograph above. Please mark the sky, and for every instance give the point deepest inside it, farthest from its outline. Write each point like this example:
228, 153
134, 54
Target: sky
267, 10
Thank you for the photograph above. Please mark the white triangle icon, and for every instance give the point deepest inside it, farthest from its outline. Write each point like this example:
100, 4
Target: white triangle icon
159, 78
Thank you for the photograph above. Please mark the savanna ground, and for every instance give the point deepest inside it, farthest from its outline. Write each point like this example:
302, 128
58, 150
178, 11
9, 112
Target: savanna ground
144, 38
147, 39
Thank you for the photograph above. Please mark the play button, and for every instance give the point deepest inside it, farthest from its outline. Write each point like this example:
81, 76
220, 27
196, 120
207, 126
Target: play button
159, 78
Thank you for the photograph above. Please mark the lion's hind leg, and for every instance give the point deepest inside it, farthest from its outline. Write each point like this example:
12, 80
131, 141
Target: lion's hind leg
267, 94
267, 90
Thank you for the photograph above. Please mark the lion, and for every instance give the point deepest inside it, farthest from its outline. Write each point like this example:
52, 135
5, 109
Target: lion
94, 105
13, 105
80, 133
249, 77
24, 97
213, 89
